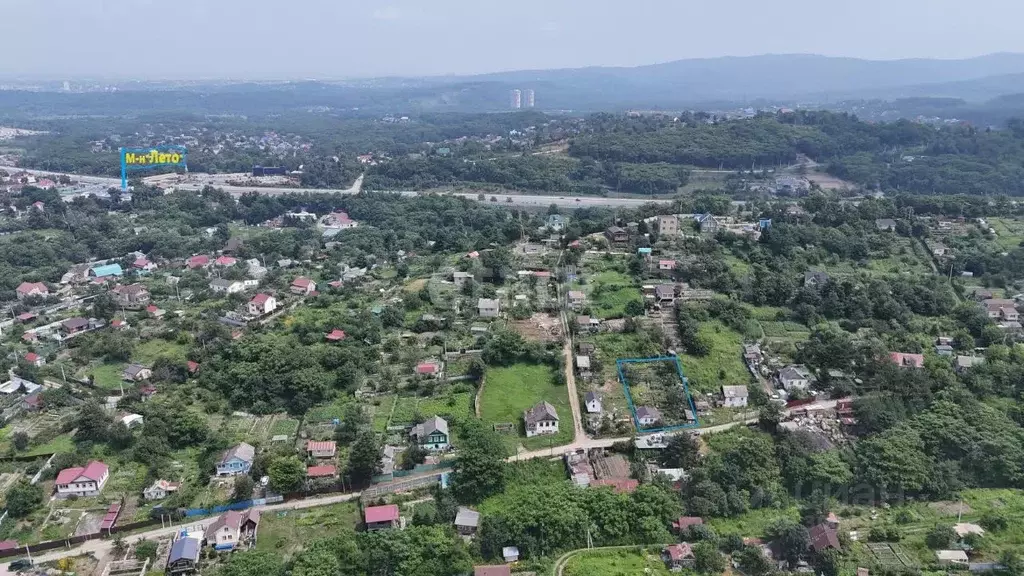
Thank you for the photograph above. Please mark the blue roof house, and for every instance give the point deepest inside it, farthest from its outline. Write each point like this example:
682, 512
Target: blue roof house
184, 557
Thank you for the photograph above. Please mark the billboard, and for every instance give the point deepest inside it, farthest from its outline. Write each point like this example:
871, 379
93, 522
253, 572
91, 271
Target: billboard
148, 158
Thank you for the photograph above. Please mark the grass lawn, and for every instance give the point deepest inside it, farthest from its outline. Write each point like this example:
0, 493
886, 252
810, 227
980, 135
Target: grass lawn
724, 363
451, 406
147, 352
609, 292
382, 412
108, 376
60, 445
1009, 232
753, 523
617, 563
285, 532
512, 389
286, 426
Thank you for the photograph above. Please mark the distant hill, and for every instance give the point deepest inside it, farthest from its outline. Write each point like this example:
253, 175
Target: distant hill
776, 77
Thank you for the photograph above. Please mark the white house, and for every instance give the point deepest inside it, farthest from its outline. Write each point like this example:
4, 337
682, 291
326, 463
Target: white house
593, 402
238, 460
487, 307
541, 419
576, 299
461, 278
78, 481
222, 286
734, 396
160, 489
647, 415
262, 304
794, 377
233, 528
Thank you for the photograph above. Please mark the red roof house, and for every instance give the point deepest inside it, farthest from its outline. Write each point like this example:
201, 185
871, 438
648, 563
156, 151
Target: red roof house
321, 449
907, 360
619, 485
381, 517
428, 368
34, 359
26, 289
8, 545
302, 285
26, 316
193, 367
78, 481
200, 261
336, 335
685, 522
321, 471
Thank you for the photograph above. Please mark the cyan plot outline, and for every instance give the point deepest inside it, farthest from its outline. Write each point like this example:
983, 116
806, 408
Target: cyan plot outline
629, 396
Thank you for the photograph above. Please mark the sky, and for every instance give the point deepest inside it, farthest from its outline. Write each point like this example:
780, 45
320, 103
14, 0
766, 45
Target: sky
335, 39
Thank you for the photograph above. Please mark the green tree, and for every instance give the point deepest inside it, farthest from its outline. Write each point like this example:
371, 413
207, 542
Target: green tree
634, 308
707, 559
828, 470
894, 460
23, 498
479, 469
286, 474
243, 488
753, 562
20, 440
682, 451
792, 539
353, 421
145, 549
828, 562
364, 459
250, 562
940, 537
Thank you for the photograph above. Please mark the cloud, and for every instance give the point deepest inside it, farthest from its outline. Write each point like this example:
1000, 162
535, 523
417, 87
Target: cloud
387, 13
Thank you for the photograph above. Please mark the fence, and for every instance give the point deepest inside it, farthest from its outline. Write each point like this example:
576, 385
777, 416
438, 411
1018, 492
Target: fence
380, 490
422, 468
233, 506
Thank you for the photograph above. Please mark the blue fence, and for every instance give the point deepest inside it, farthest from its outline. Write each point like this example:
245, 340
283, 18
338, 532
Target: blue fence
619, 364
244, 504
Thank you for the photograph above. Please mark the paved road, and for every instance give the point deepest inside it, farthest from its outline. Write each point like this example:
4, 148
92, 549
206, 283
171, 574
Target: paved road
505, 199
592, 443
103, 547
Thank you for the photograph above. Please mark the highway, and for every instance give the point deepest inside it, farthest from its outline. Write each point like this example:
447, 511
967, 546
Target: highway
525, 200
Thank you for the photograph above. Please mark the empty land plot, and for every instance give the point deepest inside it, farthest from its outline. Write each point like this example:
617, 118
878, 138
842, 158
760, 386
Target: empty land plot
616, 562
608, 293
451, 406
147, 352
380, 412
288, 531
108, 376
656, 384
284, 426
1009, 232
723, 365
510, 390
539, 326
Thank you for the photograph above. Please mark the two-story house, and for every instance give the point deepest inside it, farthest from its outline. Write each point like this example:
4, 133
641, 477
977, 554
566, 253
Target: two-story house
592, 400
462, 278
82, 481
262, 304
132, 296
137, 373
616, 234
302, 286
29, 289
576, 299
233, 528
668, 226
432, 434
237, 460
541, 419
184, 557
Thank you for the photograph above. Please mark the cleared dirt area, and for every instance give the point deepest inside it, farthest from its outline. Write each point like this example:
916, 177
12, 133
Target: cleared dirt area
829, 182
950, 508
539, 327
